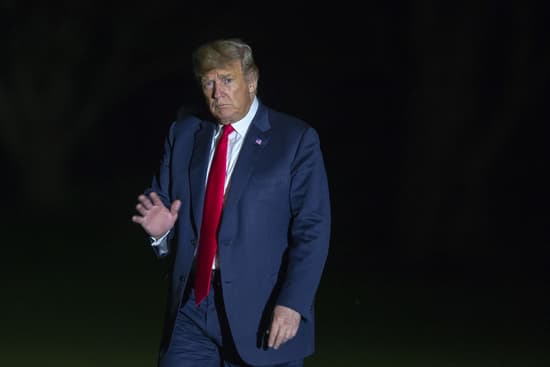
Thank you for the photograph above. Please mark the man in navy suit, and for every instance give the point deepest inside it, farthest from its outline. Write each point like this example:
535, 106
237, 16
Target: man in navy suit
273, 234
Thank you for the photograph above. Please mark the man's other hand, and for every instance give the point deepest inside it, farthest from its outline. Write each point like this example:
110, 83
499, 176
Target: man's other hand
284, 326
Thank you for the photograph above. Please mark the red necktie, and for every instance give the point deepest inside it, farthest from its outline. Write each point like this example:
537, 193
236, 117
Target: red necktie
213, 203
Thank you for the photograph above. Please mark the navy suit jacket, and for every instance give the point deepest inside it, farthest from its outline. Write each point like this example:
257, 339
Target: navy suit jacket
274, 233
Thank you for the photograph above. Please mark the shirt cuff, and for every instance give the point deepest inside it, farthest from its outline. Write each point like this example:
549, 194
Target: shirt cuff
161, 244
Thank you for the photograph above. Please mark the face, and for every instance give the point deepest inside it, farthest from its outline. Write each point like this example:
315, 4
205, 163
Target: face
227, 92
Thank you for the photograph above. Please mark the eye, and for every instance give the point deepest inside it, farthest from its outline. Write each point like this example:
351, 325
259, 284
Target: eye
227, 80
207, 84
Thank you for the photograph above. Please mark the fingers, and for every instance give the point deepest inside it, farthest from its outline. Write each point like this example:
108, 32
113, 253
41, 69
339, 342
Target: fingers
145, 202
151, 206
284, 326
275, 338
155, 198
143, 206
279, 335
175, 207
141, 209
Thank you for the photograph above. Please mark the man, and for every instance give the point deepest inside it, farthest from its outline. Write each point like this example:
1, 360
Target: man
243, 279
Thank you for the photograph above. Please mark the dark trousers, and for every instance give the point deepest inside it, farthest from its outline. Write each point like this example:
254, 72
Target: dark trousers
201, 336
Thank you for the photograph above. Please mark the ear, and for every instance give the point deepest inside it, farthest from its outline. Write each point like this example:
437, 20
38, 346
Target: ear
252, 87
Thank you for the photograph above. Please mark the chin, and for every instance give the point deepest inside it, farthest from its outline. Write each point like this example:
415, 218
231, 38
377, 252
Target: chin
225, 118
220, 116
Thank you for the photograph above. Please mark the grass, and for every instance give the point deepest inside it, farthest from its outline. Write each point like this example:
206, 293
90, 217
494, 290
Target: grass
98, 301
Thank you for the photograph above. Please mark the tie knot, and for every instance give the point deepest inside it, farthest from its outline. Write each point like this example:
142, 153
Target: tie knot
227, 129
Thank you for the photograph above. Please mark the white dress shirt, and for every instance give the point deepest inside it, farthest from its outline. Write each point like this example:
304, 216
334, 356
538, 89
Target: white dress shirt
234, 144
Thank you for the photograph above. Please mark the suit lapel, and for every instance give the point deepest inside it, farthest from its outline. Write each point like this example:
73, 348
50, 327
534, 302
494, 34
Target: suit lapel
198, 167
255, 140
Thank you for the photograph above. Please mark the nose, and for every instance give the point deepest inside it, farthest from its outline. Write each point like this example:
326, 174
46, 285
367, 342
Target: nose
218, 91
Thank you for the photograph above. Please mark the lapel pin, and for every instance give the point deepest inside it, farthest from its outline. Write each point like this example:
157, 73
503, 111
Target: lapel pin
258, 141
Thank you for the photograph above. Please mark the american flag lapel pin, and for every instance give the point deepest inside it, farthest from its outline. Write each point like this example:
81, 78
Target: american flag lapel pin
258, 141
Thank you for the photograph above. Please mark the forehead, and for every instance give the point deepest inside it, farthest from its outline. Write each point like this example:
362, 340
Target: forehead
231, 69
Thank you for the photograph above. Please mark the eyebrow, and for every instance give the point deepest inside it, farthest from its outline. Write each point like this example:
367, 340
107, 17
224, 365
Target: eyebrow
220, 76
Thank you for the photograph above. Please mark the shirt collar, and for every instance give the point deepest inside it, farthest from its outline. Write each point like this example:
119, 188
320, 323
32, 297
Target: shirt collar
241, 126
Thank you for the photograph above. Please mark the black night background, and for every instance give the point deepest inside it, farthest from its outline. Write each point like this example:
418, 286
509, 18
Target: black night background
433, 118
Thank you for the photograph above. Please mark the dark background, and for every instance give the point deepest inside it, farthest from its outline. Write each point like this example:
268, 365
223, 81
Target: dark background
433, 120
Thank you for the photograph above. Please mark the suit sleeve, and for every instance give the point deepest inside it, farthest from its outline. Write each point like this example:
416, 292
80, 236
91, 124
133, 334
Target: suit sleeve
161, 185
309, 232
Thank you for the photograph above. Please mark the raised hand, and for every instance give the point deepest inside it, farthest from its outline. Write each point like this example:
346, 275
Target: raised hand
155, 218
